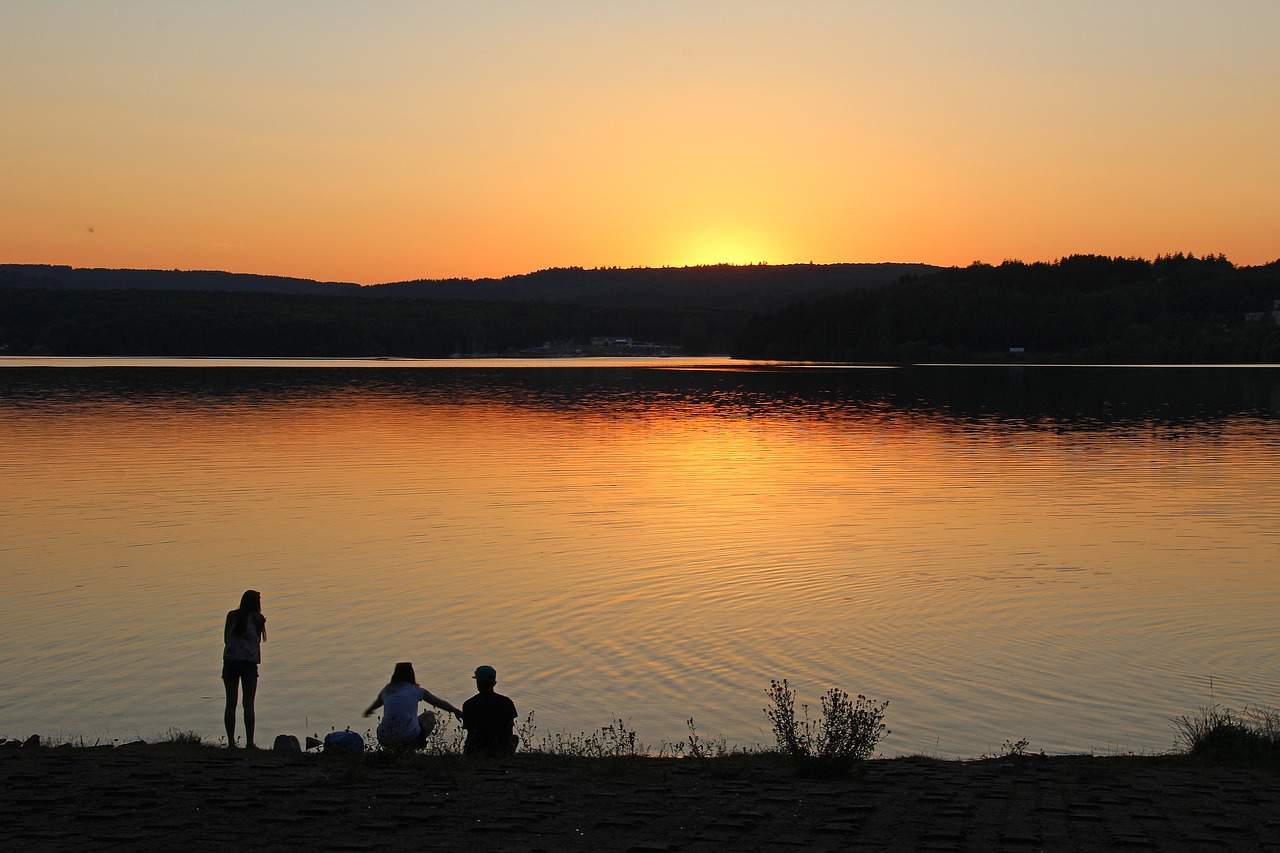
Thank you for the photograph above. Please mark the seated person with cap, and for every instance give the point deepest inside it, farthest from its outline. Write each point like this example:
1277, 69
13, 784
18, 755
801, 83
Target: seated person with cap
489, 719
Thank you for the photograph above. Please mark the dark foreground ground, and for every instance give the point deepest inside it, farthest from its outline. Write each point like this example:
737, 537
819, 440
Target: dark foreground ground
161, 798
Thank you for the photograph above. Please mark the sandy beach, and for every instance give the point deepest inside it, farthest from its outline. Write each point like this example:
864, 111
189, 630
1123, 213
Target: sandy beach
158, 797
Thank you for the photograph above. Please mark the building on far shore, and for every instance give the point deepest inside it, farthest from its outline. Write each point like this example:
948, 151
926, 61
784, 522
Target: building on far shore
1257, 316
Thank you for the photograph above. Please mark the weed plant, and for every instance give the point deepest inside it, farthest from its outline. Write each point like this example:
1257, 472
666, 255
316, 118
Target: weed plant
447, 737
526, 731
616, 740
847, 732
179, 737
1014, 750
1223, 736
703, 748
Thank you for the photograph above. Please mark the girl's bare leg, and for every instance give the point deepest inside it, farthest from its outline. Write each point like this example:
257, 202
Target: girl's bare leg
250, 718
229, 716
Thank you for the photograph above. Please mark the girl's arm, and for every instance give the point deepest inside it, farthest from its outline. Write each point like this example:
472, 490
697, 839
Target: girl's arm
440, 703
377, 703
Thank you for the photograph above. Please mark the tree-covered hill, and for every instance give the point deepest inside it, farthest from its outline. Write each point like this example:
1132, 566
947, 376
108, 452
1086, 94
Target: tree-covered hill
69, 311
718, 287
1082, 308
84, 278
756, 287
1177, 308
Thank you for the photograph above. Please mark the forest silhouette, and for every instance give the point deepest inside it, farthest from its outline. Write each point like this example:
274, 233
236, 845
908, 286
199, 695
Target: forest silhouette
1087, 308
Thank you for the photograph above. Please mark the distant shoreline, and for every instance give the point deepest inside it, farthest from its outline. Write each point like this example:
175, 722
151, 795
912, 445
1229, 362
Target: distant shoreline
1079, 309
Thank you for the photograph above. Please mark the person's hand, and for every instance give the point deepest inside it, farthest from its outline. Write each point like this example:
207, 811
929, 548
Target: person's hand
368, 713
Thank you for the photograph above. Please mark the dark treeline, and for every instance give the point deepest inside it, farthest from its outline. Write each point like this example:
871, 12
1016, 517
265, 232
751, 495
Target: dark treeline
1082, 308
39, 320
82, 278
1175, 309
75, 311
755, 287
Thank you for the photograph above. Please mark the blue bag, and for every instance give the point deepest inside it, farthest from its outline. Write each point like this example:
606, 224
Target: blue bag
344, 741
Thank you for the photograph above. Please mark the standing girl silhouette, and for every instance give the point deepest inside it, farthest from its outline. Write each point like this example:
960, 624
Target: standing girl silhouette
242, 638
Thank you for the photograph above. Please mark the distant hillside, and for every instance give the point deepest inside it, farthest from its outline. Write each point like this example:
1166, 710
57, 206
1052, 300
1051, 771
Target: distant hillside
1082, 308
1086, 308
74, 278
721, 287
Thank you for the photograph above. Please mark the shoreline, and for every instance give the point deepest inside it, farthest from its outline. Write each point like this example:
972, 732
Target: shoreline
162, 795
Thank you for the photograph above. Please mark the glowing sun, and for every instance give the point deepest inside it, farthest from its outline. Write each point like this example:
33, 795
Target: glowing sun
726, 247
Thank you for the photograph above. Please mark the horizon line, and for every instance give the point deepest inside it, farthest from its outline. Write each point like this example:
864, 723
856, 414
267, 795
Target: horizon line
618, 268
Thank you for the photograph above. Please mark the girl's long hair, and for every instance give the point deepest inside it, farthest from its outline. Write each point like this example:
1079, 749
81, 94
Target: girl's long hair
250, 603
403, 674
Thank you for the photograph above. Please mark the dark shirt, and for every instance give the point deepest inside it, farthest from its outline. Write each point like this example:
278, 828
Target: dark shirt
489, 719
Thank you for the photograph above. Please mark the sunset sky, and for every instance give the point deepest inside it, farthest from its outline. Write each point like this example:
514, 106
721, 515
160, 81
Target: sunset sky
381, 141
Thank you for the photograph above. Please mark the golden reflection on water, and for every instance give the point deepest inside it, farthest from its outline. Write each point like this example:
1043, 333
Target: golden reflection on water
648, 560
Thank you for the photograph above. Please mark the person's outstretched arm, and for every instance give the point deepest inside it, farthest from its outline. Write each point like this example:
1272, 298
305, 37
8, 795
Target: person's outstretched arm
440, 703
377, 703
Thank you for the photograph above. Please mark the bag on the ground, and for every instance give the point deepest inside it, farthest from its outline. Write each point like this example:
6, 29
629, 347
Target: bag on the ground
344, 741
286, 743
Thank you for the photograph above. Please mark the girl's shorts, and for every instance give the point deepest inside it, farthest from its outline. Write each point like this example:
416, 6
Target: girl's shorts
239, 669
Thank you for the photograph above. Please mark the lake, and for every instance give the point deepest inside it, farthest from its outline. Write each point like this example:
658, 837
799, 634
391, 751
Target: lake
1070, 555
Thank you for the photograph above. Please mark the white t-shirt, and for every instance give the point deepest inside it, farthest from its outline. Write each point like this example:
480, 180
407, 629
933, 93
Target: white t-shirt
246, 646
400, 711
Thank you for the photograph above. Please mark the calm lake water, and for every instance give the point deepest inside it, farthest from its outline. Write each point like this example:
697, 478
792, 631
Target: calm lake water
1067, 555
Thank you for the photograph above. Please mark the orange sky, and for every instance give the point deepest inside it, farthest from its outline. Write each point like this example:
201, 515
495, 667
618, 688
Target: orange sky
385, 141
